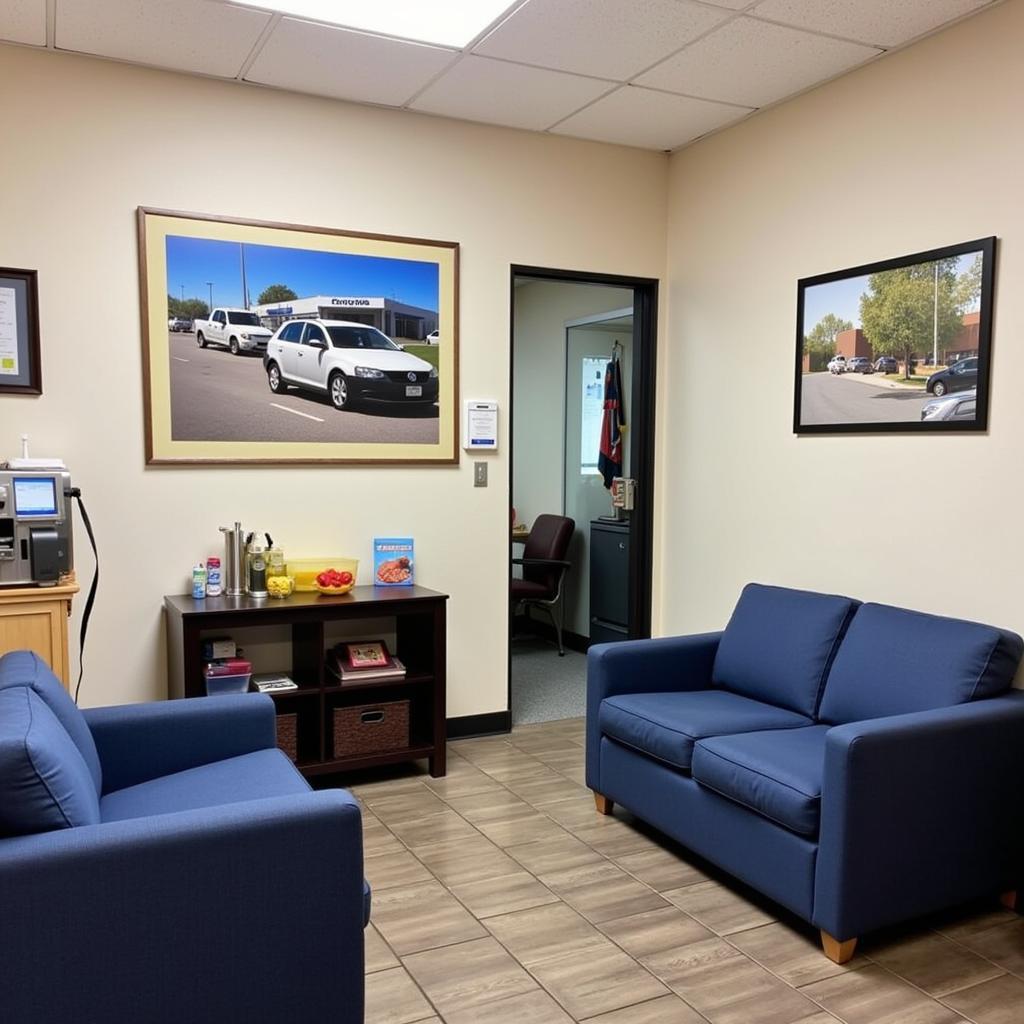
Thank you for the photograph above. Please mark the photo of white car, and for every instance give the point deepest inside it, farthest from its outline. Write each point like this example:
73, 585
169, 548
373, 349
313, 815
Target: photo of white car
352, 362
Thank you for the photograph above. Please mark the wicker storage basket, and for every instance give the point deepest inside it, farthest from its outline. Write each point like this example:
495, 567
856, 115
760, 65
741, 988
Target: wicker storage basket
288, 735
371, 728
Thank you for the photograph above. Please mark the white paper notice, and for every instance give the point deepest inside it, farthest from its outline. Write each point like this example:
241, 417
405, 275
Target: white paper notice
8, 332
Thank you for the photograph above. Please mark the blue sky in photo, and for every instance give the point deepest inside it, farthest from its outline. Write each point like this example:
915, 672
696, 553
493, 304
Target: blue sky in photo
843, 297
192, 262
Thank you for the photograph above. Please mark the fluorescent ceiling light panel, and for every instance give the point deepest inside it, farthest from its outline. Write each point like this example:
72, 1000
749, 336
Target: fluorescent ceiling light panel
444, 22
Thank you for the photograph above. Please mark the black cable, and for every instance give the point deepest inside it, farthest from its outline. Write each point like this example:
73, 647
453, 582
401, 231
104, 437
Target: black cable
75, 493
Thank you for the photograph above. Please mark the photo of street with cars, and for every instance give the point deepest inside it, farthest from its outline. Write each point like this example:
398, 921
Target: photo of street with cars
274, 344
899, 343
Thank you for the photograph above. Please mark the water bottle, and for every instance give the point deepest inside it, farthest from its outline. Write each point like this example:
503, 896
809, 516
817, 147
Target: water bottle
213, 582
199, 581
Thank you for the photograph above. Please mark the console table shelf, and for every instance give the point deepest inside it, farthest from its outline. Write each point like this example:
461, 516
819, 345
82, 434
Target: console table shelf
420, 639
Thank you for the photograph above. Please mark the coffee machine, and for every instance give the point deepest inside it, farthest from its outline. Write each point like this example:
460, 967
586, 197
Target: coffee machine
35, 526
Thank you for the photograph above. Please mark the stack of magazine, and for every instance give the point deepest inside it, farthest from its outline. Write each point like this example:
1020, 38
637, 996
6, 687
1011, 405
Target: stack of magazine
362, 661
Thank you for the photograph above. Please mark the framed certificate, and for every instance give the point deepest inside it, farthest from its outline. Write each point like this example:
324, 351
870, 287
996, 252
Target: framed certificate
20, 372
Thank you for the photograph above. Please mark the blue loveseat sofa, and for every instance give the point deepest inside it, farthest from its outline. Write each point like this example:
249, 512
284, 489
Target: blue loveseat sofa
166, 863
857, 763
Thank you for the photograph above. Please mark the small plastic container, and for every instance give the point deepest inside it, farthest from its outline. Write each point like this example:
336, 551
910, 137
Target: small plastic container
217, 686
280, 586
306, 570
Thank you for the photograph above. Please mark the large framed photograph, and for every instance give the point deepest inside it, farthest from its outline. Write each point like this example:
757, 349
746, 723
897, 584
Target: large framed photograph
20, 371
901, 345
280, 343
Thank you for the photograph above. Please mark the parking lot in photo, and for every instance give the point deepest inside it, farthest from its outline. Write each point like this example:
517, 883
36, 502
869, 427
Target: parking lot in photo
216, 396
831, 398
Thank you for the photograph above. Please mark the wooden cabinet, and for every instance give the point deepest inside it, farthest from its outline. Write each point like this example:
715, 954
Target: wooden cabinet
36, 619
307, 715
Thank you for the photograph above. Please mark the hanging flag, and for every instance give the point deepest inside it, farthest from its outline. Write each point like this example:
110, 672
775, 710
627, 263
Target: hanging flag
609, 461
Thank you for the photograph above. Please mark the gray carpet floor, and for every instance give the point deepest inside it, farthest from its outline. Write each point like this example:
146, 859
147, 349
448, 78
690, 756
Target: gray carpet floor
545, 687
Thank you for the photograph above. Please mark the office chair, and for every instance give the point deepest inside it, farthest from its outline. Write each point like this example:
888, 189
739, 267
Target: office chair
544, 566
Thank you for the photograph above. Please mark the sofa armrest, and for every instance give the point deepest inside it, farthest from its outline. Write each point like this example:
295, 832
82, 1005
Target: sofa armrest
663, 665
139, 742
919, 812
222, 913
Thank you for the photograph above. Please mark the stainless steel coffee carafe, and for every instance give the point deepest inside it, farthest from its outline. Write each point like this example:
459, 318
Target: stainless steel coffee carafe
234, 560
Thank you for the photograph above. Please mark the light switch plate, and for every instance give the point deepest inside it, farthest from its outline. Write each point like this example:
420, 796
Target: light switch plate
479, 474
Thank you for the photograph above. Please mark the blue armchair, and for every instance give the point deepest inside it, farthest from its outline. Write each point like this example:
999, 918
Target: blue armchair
166, 862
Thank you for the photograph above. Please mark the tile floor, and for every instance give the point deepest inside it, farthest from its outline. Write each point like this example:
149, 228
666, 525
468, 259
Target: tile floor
501, 896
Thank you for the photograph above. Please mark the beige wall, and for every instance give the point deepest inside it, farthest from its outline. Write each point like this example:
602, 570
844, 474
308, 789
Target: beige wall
88, 141
916, 151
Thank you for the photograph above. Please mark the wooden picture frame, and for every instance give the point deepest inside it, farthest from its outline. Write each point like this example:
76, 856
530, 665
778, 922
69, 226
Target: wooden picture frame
389, 302
20, 366
919, 358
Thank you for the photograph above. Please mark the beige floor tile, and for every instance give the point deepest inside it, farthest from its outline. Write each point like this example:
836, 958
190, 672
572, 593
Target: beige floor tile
602, 891
465, 783
466, 859
409, 806
591, 981
578, 775
661, 869
378, 955
393, 998
726, 987
417, 917
433, 829
874, 996
934, 963
615, 838
530, 1008
655, 930
795, 956
578, 811
534, 827
471, 974
533, 936
550, 855
503, 895
962, 926
386, 870
516, 769
1003, 944
543, 790
499, 805
723, 910
664, 1010
411, 782
378, 841
1000, 1001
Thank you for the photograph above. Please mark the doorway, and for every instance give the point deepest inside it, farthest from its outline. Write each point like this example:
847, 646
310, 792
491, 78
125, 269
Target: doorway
568, 330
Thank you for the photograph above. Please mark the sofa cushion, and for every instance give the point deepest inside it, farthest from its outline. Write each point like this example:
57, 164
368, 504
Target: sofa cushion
666, 725
894, 661
779, 645
26, 668
777, 774
44, 782
263, 773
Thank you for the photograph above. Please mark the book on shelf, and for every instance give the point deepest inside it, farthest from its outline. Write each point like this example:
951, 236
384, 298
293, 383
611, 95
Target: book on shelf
273, 682
363, 654
394, 669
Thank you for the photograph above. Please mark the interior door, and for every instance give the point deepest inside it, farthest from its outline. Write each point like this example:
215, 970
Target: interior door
588, 350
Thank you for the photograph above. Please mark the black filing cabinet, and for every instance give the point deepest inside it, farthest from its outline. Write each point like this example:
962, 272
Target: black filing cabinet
609, 581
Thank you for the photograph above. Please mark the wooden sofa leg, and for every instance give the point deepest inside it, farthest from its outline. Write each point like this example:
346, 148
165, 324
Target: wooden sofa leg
1009, 899
838, 952
604, 805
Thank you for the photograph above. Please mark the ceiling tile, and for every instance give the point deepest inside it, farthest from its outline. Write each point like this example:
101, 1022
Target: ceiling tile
23, 21
496, 92
653, 120
880, 22
603, 38
754, 63
187, 35
344, 64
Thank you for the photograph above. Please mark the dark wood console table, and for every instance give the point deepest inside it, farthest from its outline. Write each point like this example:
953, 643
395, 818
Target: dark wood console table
420, 632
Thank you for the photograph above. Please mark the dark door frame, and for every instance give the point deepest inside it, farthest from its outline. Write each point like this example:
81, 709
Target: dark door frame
640, 434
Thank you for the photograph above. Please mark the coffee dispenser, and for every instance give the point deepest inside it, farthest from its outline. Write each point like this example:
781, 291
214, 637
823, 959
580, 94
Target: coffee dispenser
35, 527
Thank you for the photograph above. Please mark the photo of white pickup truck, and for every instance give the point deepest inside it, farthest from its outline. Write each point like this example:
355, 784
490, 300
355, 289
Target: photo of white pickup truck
237, 329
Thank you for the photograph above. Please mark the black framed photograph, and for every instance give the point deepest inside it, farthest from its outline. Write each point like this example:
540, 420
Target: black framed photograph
900, 345
20, 372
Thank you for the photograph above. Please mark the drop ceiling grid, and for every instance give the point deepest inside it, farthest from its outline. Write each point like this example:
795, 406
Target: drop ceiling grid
587, 68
